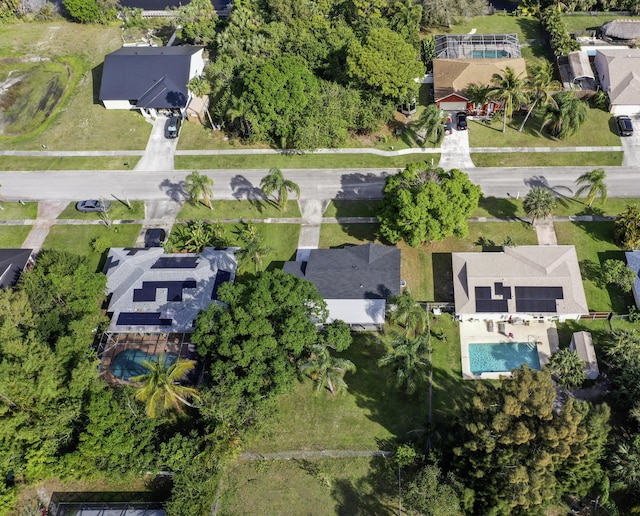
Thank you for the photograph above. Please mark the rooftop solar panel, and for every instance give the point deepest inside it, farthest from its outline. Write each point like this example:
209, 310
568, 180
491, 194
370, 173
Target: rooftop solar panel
149, 290
497, 288
536, 305
221, 277
539, 293
176, 262
491, 305
506, 293
483, 292
142, 319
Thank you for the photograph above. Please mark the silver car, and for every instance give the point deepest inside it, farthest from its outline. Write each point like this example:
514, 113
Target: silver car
93, 205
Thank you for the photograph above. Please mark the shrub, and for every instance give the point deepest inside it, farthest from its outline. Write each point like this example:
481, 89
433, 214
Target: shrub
101, 244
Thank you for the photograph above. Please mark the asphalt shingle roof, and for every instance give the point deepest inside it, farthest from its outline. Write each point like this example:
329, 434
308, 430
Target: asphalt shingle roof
12, 263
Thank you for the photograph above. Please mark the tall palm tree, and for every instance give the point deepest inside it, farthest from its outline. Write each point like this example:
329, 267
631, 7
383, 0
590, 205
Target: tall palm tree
407, 312
593, 184
539, 203
275, 182
160, 389
406, 19
326, 370
408, 361
508, 88
568, 368
539, 84
198, 186
432, 120
566, 116
478, 94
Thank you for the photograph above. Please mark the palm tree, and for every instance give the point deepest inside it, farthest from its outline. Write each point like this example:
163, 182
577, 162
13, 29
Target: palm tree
406, 19
407, 361
626, 228
253, 248
275, 182
478, 94
326, 370
407, 312
539, 203
568, 368
539, 84
566, 116
199, 186
509, 90
432, 121
592, 183
160, 388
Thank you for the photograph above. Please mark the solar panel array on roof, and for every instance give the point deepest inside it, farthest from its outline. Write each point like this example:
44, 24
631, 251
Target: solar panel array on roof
483, 292
221, 277
491, 305
149, 289
142, 319
176, 262
538, 299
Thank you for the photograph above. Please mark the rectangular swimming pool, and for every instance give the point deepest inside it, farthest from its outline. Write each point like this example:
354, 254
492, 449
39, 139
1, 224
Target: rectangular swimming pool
489, 54
502, 357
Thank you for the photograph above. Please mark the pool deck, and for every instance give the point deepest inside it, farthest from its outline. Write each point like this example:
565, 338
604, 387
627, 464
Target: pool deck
544, 334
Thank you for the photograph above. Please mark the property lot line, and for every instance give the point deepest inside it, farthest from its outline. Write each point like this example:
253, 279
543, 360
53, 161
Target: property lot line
322, 454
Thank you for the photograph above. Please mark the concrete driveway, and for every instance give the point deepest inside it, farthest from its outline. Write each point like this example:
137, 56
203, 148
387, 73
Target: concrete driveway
631, 144
455, 150
160, 150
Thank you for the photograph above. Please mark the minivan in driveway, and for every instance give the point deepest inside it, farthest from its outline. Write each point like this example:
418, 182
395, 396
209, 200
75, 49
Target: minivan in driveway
625, 127
173, 127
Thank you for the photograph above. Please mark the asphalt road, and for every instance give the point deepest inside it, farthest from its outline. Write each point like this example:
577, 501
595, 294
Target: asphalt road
314, 183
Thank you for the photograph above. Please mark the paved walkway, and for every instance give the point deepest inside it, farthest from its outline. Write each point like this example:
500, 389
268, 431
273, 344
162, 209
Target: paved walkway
546, 231
47, 214
309, 238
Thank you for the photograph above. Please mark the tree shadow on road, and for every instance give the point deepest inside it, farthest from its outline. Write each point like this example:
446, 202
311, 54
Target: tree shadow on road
174, 190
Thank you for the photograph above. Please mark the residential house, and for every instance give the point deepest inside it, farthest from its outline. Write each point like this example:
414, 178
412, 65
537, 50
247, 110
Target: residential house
633, 262
619, 75
519, 284
354, 281
13, 262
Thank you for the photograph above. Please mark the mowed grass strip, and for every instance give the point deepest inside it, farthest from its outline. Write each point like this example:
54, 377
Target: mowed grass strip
565, 207
371, 412
594, 245
68, 162
119, 211
267, 161
323, 487
18, 211
237, 210
547, 159
78, 239
12, 237
337, 235
339, 208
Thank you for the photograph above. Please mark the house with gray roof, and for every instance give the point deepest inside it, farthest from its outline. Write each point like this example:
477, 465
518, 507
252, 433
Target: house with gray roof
150, 78
619, 75
520, 284
355, 281
154, 292
621, 31
13, 262
633, 262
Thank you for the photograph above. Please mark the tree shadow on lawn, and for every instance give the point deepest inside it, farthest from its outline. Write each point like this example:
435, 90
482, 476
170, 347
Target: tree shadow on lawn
620, 301
450, 392
597, 231
499, 207
442, 277
530, 28
96, 77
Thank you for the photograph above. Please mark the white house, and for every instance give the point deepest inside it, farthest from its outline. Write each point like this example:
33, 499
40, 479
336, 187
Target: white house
619, 74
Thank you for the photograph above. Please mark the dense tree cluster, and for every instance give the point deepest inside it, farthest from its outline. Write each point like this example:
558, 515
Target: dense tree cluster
423, 204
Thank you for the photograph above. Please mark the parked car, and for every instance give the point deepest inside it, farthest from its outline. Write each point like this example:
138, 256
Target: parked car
625, 127
173, 126
154, 237
461, 121
93, 205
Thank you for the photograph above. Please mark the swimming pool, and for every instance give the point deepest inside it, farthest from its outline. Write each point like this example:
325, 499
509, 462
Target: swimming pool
489, 54
128, 364
503, 357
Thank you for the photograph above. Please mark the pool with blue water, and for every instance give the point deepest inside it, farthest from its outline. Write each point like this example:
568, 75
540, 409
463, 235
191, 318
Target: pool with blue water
128, 364
502, 357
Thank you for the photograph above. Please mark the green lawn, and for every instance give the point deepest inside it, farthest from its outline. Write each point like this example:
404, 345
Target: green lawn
336, 235
68, 162
296, 487
77, 239
299, 161
12, 237
547, 159
598, 129
587, 23
338, 208
499, 23
78, 120
594, 244
118, 211
17, 211
237, 210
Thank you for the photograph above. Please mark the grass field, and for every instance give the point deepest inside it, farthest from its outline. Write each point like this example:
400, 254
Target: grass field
547, 159
77, 239
118, 211
598, 129
267, 161
237, 210
336, 235
525, 27
78, 121
586, 23
68, 162
12, 237
338, 208
594, 244
17, 211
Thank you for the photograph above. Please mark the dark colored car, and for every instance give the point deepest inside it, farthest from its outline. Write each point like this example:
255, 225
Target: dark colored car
625, 127
461, 121
173, 127
93, 205
154, 237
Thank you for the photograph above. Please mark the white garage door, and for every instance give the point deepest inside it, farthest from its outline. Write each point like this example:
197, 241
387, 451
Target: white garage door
453, 106
626, 110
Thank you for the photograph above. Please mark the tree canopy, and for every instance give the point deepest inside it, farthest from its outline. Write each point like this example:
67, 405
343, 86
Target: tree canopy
423, 204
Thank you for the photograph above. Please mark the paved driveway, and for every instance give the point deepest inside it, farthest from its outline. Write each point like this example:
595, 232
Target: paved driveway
160, 150
631, 144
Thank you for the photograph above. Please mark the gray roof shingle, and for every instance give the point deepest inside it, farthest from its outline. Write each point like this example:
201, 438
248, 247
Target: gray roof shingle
12, 263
